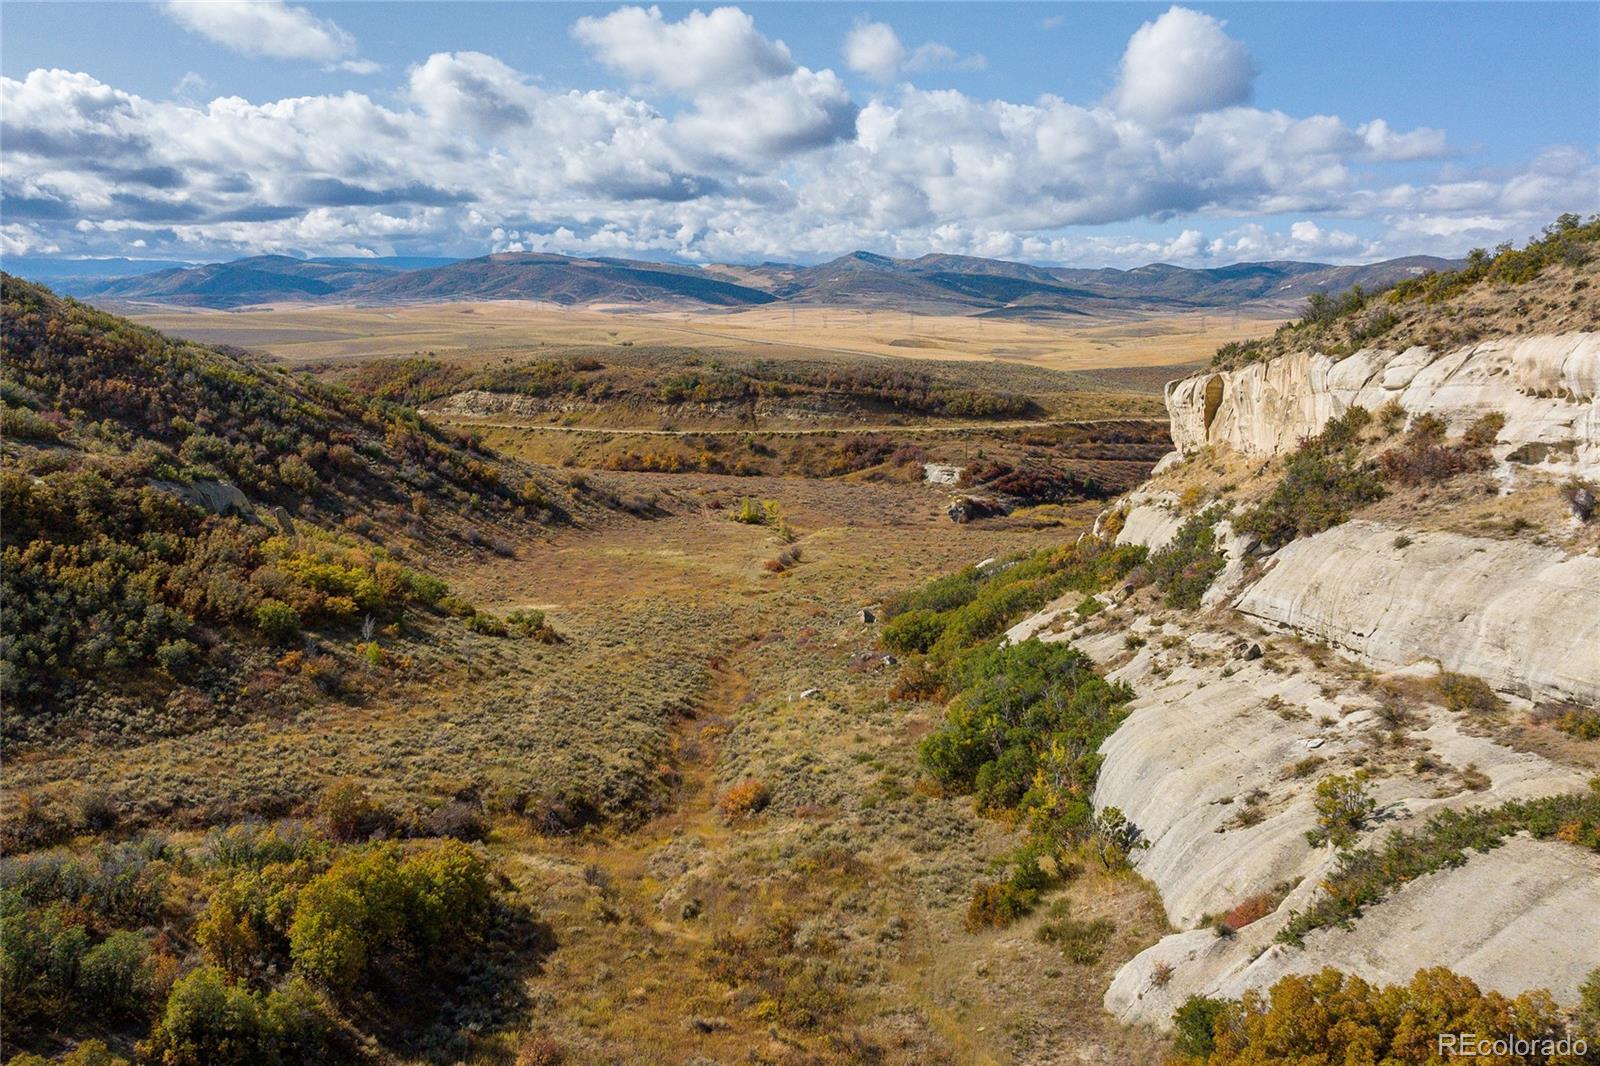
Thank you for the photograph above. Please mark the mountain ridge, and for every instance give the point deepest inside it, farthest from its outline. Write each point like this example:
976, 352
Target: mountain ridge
932, 284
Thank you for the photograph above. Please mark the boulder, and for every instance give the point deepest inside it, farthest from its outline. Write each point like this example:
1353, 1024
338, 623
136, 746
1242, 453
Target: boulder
216, 497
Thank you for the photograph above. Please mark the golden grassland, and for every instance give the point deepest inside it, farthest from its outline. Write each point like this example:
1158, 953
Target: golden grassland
826, 927
827, 924
305, 334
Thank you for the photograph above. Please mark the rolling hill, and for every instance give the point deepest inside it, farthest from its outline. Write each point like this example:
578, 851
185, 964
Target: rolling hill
176, 515
257, 279
931, 284
561, 279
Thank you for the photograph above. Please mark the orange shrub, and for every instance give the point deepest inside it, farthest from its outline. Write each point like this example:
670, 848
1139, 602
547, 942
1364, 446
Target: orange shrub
744, 799
1253, 909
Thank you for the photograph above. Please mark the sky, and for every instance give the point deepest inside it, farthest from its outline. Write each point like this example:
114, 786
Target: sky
1084, 134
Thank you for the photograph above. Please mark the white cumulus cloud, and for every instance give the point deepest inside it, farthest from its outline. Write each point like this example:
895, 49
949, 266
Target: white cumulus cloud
264, 28
728, 147
875, 49
1182, 64
700, 51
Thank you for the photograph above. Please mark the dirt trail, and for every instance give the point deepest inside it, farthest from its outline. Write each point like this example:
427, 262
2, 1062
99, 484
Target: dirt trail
696, 743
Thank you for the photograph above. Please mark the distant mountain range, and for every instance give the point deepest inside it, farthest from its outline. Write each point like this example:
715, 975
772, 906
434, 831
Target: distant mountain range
944, 284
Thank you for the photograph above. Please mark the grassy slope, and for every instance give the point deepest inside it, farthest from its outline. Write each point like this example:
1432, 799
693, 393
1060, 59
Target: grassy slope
132, 607
1545, 287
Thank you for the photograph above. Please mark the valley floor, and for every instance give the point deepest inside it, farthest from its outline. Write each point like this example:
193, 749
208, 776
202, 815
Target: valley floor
826, 927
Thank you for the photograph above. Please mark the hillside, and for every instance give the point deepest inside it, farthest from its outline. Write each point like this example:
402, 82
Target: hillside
255, 280
1544, 287
175, 517
933, 284
563, 280
815, 753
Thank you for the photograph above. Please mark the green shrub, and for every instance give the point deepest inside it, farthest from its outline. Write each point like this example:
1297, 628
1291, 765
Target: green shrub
88, 1053
1195, 1023
1580, 722
1367, 875
209, 1021
1322, 485
1343, 807
913, 631
1589, 1003
1081, 942
376, 909
278, 621
1461, 692
487, 624
348, 813
1186, 566
1116, 838
115, 977
532, 624
939, 595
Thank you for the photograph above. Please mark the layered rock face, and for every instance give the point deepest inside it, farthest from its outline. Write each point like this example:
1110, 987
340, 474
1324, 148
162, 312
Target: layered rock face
1548, 387
1523, 618
1219, 757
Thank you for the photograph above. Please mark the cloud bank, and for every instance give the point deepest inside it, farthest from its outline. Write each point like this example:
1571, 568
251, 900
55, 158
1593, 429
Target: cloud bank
724, 146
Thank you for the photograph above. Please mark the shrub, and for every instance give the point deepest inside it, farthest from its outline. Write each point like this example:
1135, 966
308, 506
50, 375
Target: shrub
753, 512
1185, 567
913, 631
1589, 1003
1582, 723
1321, 486
744, 799
995, 904
1081, 942
347, 813
1391, 416
210, 1022
1423, 457
376, 910
1461, 692
1335, 1017
277, 621
487, 624
1195, 1025
1023, 701
1343, 806
1367, 875
1483, 432
532, 624
1116, 838
115, 976
88, 1053
1250, 910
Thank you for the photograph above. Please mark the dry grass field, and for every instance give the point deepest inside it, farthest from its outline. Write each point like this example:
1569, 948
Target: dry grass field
703, 793
314, 334
825, 927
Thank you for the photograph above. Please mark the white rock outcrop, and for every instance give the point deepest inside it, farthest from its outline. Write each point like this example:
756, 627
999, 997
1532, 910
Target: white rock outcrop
1491, 919
1219, 756
1548, 387
1523, 618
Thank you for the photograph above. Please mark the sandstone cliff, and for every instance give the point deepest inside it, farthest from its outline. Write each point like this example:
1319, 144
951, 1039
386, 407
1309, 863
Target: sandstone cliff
1288, 672
1548, 387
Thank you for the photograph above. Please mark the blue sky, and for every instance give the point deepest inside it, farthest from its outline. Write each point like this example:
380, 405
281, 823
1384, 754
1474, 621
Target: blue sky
1087, 134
